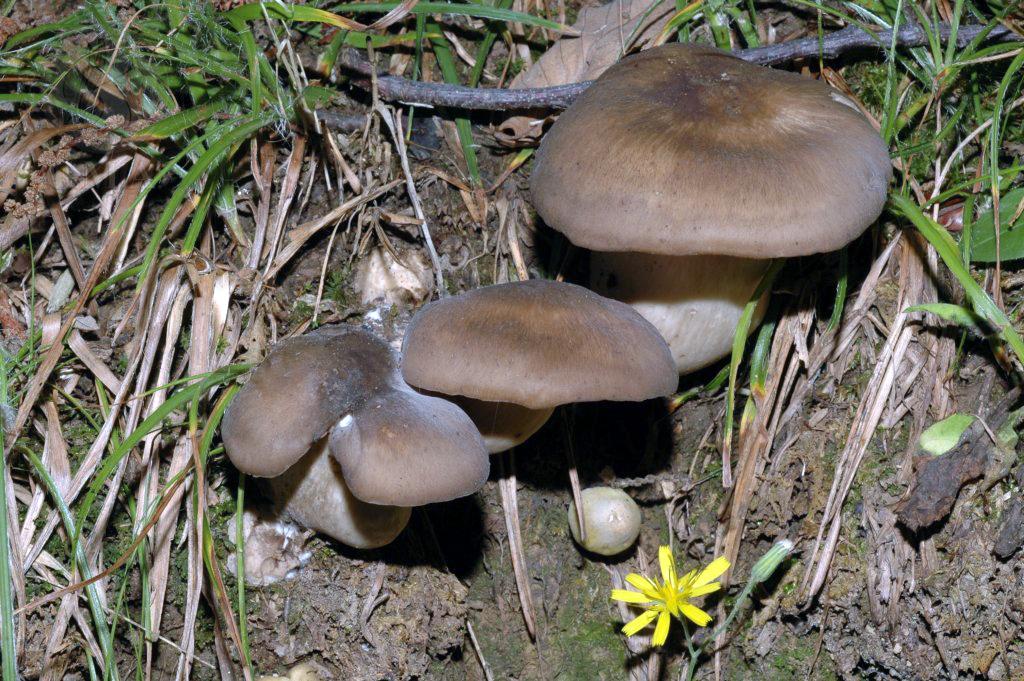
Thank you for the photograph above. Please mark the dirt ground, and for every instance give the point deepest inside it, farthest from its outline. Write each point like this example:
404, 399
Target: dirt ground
441, 601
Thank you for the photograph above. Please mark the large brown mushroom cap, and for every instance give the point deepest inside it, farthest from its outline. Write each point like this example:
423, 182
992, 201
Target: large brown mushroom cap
538, 344
685, 149
298, 392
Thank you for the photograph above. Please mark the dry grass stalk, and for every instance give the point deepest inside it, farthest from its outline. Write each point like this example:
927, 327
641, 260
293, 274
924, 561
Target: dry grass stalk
510, 507
877, 393
394, 125
639, 646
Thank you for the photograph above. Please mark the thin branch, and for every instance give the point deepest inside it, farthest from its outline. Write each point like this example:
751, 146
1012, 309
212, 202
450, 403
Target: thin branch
832, 45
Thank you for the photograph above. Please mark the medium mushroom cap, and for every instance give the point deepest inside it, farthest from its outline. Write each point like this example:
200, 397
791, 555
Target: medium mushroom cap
538, 344
685, 149
298, 392
382, 446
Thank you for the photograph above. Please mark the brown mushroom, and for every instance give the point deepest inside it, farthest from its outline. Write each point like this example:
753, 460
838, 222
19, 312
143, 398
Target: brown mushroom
355, 489
510, 353
705, 162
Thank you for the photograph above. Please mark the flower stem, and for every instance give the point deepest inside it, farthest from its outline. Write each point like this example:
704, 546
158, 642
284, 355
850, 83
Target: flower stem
694, 654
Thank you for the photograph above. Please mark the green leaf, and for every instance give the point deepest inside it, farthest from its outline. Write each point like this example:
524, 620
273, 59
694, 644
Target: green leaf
181, 121
316, 97
460, 8
942, 436
1011, 231
957, 314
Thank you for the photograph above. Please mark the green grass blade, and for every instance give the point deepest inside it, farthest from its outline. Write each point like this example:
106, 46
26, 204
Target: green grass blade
739, 343
175, 401
7, 622
228, 136
92, 595
240, 603
841, 289
446, 62
948, 250
183, 120
454, 8
484, 49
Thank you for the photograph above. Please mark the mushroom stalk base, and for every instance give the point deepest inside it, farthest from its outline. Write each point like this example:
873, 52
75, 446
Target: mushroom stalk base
695, 301
313, 493
503, 425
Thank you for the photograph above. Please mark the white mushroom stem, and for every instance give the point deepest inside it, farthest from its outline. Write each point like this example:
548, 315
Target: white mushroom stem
695, 301
503, 425
314, 494
510, 506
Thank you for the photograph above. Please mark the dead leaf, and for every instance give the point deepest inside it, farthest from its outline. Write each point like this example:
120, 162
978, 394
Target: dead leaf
606, 33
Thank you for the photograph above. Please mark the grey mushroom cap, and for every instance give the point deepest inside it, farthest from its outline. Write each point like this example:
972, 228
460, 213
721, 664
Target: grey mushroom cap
294, 397
408, 449
685, 149
404, 448
538, 344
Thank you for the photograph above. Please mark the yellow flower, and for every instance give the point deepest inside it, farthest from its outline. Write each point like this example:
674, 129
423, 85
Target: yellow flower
669, 597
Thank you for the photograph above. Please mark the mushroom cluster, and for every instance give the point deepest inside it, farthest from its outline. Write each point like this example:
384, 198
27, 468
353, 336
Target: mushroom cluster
686, 170
345, 445
680, 168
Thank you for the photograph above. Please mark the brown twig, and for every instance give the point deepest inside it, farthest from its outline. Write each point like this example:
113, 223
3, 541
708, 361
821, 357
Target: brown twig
557, 97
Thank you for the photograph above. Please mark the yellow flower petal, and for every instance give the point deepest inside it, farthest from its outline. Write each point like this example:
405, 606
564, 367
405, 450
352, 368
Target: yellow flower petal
639, 623
661, 631
668, 565
704, 590
645, 585
711, 572
695, 614
627, 596
685, 582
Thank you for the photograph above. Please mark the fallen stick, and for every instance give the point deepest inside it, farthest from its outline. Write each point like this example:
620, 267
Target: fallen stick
558, 97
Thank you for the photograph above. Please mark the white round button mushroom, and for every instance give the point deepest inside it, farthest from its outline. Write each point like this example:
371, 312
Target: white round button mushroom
612, 520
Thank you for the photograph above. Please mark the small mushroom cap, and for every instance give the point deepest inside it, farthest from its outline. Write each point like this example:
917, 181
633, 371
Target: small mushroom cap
314, 494
538, 344
686, 149
612, 519
408, 449
294, 397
